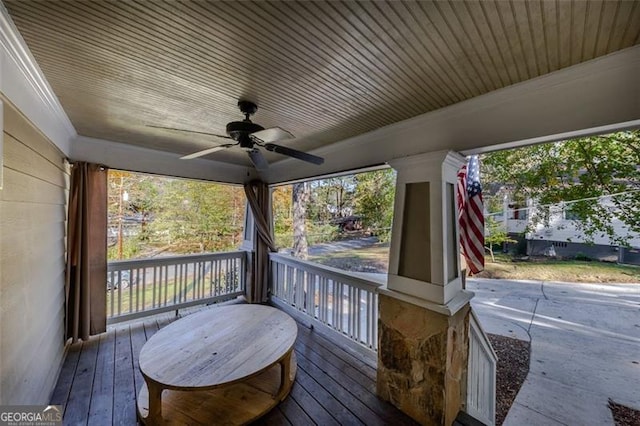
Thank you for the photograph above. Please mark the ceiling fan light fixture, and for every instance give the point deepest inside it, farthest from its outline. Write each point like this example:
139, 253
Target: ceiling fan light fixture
236, 129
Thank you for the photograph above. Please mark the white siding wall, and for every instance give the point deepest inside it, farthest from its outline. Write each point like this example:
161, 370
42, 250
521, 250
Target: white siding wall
32, 246
560, 229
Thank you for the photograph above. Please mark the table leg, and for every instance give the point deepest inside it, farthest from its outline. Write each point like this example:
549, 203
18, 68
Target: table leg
155, 404
285, 376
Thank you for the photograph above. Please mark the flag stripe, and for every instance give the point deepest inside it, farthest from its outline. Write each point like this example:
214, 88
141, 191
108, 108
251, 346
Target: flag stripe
471, 214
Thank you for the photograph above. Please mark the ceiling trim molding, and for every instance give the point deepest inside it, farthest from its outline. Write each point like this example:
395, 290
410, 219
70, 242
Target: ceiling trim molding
601, 95
23, 83
122, 156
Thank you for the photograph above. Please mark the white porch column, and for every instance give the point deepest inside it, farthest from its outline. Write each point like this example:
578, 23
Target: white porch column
424, 311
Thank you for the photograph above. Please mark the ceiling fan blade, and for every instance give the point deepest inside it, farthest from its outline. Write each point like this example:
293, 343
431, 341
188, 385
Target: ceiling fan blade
189, 131
294, 153
272, 135
208, 151
258, 160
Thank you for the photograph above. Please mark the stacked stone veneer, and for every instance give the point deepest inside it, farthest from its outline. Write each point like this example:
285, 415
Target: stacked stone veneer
422, 360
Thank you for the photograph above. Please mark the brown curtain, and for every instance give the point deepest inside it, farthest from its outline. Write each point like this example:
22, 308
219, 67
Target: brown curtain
260, 203
86, 274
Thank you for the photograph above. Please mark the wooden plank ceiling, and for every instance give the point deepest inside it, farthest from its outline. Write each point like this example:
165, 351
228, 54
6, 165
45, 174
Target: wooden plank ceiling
323, 70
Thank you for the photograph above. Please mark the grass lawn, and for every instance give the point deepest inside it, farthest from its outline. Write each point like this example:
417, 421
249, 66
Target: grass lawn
369, 259
375, 259
560, 270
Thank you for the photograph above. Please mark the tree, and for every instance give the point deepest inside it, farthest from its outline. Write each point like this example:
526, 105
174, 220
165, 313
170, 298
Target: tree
495, 234
331, 198
580, 171
282, 216
130, 196
300, 198
199, 215
374, 196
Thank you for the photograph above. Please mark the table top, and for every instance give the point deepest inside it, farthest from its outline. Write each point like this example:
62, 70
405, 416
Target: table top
218, 346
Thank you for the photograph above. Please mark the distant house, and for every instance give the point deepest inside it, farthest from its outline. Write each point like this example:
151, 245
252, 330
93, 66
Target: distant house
560, 233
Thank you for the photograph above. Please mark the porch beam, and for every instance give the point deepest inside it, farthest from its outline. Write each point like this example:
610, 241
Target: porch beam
128, 157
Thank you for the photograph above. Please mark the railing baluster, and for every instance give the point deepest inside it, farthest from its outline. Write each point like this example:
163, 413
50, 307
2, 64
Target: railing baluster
199, 272
175, 284
186, 285
144, 288
323, 299
334, 305
166, 285
358, 315
161, 289
111, 291
119, 292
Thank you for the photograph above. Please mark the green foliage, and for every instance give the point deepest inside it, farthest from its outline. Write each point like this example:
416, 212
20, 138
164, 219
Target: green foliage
282, 216
321, 233
199, 216
368, 195
179, 215
131, 247
582, 257
579, 169
495, 234
331, 198
374, 197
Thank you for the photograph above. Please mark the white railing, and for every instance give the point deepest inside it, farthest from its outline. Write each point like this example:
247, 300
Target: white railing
137, 288
346, 302
481, 375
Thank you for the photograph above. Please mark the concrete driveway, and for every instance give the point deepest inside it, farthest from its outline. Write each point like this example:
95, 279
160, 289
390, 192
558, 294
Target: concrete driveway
585, 346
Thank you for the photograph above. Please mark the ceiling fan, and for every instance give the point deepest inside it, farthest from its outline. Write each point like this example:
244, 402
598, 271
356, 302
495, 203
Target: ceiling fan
251, 136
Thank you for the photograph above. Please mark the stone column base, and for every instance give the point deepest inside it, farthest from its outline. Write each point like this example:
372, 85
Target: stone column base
422, 360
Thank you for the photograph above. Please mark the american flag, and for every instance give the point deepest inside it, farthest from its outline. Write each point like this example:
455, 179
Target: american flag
471, 215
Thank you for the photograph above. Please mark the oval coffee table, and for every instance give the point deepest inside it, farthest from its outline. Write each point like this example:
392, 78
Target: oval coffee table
225, 365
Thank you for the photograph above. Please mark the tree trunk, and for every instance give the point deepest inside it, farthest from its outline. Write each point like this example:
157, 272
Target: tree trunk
300, 196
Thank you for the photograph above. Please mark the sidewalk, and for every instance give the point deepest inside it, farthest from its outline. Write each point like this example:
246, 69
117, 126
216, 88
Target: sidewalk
585, 346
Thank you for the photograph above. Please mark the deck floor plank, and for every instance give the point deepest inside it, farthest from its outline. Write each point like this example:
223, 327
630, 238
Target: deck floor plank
342, 394
358, 363
314, 410
307, 345
80, 395
124, 397
150, 328
361, 389
341, 413
273, 418
101, 410
67, 373
294, 413
332, 386
138, 339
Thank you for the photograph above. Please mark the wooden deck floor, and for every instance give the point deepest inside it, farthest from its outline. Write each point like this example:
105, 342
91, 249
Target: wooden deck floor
99, 382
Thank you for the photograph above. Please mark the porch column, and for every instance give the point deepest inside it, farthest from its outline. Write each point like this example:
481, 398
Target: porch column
424, 311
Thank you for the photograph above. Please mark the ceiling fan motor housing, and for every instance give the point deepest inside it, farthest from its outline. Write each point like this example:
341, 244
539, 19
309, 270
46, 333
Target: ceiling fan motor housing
237, 129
